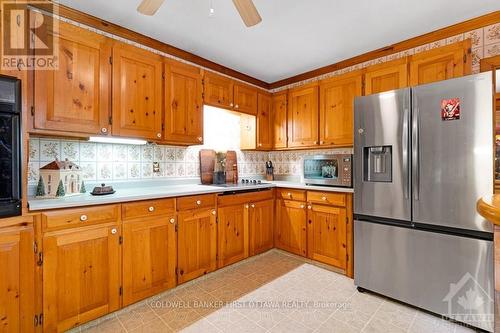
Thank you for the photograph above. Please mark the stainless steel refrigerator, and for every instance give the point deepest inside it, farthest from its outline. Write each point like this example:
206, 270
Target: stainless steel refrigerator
423, 156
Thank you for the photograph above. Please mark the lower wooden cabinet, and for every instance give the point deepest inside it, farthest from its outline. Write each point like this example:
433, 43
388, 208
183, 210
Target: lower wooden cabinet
81, 275
196, 243
326, 233
290, 233
149, 257
233, 234
17, 278
260, 221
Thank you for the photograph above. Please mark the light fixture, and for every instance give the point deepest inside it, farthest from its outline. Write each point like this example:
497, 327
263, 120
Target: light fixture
211, 9
124, 141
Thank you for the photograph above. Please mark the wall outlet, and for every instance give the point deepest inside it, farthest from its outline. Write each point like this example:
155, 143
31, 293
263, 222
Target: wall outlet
156, 167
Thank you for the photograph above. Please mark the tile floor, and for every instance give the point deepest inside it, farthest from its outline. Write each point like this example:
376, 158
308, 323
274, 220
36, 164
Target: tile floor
273, 292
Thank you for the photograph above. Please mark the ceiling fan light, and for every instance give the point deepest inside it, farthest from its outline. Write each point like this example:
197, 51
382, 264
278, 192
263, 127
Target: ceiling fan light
149, 7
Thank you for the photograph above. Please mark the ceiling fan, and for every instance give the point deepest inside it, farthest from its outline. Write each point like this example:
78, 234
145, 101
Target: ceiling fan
246, 8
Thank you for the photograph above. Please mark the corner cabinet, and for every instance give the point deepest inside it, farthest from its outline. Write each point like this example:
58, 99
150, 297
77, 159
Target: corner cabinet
336, 110
137, 93
386, 76
303, 116
264, 122
77, 96
183, 104
279, 119
442, 63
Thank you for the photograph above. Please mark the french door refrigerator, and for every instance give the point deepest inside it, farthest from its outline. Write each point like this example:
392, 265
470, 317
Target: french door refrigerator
423, 156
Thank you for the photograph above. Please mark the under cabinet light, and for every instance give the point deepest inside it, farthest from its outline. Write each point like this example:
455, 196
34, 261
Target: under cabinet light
124, 141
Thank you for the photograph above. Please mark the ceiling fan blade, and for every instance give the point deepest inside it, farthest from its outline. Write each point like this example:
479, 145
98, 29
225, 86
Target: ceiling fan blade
149, 7
248, 12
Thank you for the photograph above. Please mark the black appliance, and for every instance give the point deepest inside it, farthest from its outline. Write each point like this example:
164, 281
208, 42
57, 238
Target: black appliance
10, 146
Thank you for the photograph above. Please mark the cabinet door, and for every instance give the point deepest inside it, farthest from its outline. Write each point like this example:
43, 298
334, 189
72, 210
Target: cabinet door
137, 93
279, 119
197, 244
233, 234
290, 233
183, 104
218, 90
16, 279
149, 257
76, 96
261, 226
264, 123
386, 76
303, 116
336, 111
326, 233
441, 63
245, 99
81, 276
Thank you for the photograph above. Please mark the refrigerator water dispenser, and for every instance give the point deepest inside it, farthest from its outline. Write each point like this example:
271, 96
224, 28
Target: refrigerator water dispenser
378, 164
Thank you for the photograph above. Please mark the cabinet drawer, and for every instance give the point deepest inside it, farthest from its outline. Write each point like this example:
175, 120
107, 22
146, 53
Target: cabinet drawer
244, 198
290, 194
146, 208
77, 217
330, 198
196, 201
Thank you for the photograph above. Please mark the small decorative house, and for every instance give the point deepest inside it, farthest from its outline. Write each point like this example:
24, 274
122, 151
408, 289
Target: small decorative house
61, 178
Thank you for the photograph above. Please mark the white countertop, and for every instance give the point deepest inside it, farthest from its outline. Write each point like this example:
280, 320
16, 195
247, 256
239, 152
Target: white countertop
157, 192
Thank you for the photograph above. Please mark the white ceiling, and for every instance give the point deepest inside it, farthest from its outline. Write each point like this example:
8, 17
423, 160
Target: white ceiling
294, 36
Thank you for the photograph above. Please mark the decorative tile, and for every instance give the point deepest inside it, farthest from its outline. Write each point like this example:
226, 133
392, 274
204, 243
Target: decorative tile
422, 48
34, 149
120, 153
477, 55
454, 39
134, 170
134, 153
170, 154
88, 151
180, 154
491, 50
50, 150
147, 170
89, 170
437, 44
104, 152
492, 34
180, 170
104, 171
147, 153
119, 170
158, 153
70, 150
476, 37
33, 173
169, 169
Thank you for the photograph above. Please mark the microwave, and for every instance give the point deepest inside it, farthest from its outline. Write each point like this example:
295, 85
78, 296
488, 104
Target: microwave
330, 170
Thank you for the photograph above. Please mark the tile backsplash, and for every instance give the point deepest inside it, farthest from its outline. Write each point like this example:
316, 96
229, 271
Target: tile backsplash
118, 162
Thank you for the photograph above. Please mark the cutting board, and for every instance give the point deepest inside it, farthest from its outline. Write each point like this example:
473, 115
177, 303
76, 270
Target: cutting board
231, 167
207, 164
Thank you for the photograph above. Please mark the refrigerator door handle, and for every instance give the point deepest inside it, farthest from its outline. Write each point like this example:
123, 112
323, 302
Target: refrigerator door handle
405, 144
416, 152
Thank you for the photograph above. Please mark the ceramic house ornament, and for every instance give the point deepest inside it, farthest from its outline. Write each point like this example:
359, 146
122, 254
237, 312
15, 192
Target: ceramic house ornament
60, 178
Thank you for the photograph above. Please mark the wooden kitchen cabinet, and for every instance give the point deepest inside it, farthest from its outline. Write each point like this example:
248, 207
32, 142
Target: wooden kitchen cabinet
17, 276
137, 93
336, 110
303, 116
218, 90
290, 226
81, 275
183, 104
149, 256
232, 234
245, 98
386, 76
327, 234
261, 226
264, 122
197, 243
279, 119
77, 96
441, 63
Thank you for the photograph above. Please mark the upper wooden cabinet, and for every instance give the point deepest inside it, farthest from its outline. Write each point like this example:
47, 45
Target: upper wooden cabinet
336, 110
245, 98
218, 90
386, 76
264, 122
183, 103
303, 116
442, 63
76, 96
137, 93
279, 119
261, 226
81, 275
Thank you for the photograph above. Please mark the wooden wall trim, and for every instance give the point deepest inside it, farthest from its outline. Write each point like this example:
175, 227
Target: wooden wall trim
97, 23
449, 31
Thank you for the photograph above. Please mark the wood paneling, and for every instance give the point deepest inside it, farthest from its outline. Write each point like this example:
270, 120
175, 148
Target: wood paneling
183, 104
232, 234
77, 96
137, 93
441, 63
218, 90
149, 257
197, 244
279, 119
81, 275
303, 116
245, 98
290, 226
265, 126
336, 110
386, 76
261, 226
